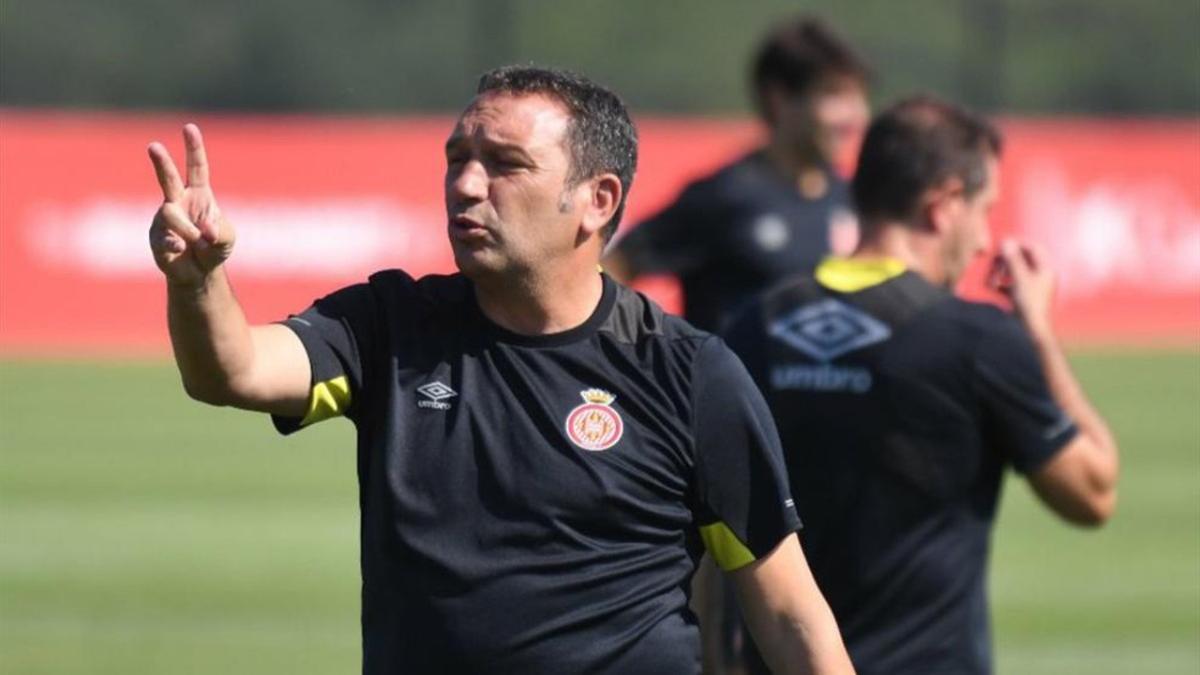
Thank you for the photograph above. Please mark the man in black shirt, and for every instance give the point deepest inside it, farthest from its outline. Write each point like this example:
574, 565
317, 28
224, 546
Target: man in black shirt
542, 454
900, 406
778, 210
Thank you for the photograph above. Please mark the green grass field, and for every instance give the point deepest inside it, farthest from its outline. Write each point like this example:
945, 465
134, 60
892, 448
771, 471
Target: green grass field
141, 533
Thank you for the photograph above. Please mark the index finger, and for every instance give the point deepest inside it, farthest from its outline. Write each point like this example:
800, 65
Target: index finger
197, 160
168, 175
1035, 255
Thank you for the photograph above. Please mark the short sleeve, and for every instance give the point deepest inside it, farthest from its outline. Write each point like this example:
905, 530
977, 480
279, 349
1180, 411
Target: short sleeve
745, 506
1020, 415
337, 333
746, 336
671, 242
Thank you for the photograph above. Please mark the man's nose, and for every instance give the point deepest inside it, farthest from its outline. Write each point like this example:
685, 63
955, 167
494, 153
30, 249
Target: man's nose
470, 181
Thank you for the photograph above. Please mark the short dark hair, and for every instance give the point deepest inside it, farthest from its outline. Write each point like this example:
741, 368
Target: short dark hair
601, 137
798, 54
915, 145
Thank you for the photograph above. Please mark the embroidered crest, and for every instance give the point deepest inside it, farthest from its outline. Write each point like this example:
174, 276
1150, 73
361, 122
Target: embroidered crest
595, 425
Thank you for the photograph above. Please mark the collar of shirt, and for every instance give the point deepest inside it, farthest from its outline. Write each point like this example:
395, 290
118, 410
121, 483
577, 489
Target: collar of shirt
849, 275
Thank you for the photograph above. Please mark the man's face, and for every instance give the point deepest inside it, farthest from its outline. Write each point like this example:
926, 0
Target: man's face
827, 121
507, 166
970, 234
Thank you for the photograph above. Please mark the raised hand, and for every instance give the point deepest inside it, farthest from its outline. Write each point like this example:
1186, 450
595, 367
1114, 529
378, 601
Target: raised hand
189, 237
1030, 285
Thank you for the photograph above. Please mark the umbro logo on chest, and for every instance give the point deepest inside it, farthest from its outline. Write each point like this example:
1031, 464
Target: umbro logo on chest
436, 395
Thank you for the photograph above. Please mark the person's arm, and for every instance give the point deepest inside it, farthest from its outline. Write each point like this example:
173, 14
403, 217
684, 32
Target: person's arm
747, 518
707, 603
222, 359
788, 617
673, 241
1080, 481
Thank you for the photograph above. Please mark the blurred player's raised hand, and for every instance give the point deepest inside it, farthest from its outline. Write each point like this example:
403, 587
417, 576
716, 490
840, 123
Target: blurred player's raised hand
189, 237
1030, 283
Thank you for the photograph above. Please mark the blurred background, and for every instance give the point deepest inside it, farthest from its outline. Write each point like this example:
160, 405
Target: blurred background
141, 533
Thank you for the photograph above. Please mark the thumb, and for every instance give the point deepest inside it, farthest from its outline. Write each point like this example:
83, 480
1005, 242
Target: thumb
209, 227
217, 231
176, 220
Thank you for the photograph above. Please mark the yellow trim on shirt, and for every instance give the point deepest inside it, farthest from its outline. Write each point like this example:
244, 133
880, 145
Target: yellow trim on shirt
849, 275
328, 399
723, 545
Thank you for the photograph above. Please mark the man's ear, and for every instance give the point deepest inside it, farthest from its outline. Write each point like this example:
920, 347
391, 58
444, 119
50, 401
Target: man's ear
942, 204
603, 198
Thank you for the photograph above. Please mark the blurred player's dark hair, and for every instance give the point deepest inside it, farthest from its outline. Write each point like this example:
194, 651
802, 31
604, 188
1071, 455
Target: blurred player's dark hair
799, 54
915, 145
601, 137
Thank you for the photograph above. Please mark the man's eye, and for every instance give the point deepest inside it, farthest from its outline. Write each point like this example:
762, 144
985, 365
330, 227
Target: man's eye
508, 164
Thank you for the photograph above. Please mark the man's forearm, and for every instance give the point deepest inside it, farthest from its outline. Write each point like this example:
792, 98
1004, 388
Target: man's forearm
210, 337
1067, 392
810, 645
792, 624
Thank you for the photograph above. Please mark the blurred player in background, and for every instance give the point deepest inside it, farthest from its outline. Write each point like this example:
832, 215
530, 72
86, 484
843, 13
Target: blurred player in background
901, 406
542, 453
772, 213
778, 210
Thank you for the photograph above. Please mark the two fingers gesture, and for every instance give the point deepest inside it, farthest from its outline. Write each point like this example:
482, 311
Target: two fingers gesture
189, 237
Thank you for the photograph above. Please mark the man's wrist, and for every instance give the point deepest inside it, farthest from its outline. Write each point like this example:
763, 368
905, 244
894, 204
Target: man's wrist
191, 289
1042, 333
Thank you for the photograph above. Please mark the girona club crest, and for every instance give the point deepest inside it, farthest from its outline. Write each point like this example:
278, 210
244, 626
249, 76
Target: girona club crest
595, 425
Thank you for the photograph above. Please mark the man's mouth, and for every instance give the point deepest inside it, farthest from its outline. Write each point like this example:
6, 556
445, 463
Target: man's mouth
467, 228
466, 222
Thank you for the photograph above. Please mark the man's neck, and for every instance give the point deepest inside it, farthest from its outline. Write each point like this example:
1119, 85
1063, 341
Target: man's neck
805, 170
540, 305
898, 241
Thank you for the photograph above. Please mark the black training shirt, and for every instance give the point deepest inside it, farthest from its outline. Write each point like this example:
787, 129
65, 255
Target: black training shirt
735, 233
538, 504
899, 406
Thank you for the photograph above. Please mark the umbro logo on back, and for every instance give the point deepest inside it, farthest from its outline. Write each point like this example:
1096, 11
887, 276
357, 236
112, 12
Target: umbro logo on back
435, 394
825, 330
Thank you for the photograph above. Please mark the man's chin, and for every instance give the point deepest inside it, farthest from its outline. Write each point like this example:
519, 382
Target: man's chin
476, 264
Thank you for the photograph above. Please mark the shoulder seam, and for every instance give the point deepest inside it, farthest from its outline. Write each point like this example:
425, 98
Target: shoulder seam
697, 458
704, 340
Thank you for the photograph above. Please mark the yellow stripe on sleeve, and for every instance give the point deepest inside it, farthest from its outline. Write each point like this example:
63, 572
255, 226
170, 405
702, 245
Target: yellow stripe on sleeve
328, 399
724, 546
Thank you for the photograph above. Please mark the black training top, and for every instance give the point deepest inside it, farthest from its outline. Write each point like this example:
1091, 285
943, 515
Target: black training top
734, 234
538, 504
899, 406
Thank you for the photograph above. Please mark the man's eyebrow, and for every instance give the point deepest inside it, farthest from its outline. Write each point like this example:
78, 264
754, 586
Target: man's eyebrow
492, 144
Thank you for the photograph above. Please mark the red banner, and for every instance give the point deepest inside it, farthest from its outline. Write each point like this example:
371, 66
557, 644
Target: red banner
322, 202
